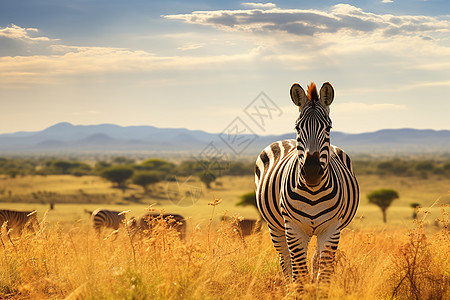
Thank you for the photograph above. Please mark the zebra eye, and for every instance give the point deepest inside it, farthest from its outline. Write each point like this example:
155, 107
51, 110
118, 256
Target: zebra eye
328, 129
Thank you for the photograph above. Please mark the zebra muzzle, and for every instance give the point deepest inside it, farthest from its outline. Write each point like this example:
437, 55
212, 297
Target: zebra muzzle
311, 170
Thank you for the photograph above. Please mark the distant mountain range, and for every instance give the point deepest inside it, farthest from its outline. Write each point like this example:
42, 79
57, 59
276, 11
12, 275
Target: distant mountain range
109, 138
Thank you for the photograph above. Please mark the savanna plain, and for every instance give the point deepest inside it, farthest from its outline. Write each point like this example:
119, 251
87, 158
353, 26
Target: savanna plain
406, 257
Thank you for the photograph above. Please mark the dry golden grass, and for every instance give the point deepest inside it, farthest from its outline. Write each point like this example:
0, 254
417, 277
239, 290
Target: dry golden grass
70, 261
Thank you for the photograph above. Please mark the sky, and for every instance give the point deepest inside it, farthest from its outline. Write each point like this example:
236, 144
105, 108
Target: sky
213, 65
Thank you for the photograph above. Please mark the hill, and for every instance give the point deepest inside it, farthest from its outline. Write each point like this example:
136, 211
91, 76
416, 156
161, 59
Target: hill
107, 138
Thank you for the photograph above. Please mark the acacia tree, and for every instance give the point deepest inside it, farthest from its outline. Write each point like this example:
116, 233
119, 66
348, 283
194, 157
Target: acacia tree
118, 175
207, 178
146, 178
248, 199
383, 199
62, 166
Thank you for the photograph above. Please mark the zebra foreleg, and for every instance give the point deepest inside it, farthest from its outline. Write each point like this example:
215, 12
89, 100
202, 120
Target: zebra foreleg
297, 241
315, 265
327, 244
280, 244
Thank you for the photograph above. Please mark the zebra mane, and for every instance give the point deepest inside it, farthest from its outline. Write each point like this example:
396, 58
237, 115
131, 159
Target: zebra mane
312, 92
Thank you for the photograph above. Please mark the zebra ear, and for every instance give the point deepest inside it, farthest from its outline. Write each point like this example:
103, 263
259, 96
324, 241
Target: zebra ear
298, 95
326, 94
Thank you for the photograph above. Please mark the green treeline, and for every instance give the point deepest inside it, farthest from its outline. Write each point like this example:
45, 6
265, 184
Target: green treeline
402, 167
164, 169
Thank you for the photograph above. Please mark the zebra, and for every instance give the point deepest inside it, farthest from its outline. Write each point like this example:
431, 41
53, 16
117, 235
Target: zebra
306, 187
147, 222
244, 227
107, 218
18, 220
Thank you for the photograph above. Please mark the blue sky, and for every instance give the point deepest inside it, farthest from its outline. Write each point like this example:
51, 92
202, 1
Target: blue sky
200, 64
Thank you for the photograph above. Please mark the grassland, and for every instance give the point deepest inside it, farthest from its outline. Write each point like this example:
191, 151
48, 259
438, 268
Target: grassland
72, 195
403, 259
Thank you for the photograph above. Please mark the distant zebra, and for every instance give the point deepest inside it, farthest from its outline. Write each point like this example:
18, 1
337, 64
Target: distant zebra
107, 218
307, 187
147, 222
18, 220
245, 227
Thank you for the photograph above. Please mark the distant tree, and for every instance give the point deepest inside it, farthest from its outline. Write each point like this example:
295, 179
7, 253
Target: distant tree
118, 175
101, 165
146, 178
157, 164
239, 168
12, 172
190, 167
414, 206
396, 166
424, 166
383, 199
207, 178
247, 199
61, 166
80, 169
122, 160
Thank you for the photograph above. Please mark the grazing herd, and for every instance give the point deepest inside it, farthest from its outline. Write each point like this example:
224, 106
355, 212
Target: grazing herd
17, 221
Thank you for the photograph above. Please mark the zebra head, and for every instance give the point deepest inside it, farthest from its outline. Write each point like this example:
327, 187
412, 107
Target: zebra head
313, 131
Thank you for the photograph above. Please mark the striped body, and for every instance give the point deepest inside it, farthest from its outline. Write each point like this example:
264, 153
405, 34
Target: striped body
18, 220
306, 187
245, 227
147, 222
107, 218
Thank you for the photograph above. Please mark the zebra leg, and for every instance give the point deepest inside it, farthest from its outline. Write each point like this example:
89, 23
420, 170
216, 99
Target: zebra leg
280, 244
327, 244
315, 264
297, 241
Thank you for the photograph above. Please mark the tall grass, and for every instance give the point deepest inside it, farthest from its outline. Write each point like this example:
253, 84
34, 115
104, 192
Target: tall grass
213, 262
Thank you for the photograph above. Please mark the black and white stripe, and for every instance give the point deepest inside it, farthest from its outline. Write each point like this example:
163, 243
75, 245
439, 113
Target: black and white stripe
18, 220
307, 187
147, 222
107, 218
244, 227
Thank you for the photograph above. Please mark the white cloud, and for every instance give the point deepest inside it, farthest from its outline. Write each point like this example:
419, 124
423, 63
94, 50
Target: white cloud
17, 32
259, 5
191, 46
301, 22
387, 1
18, 71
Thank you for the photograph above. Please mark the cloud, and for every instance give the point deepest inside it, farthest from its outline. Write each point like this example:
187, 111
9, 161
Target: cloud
301, 22
259, 5
17, 32
387, 1
19, 41
19, 71
191, 46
